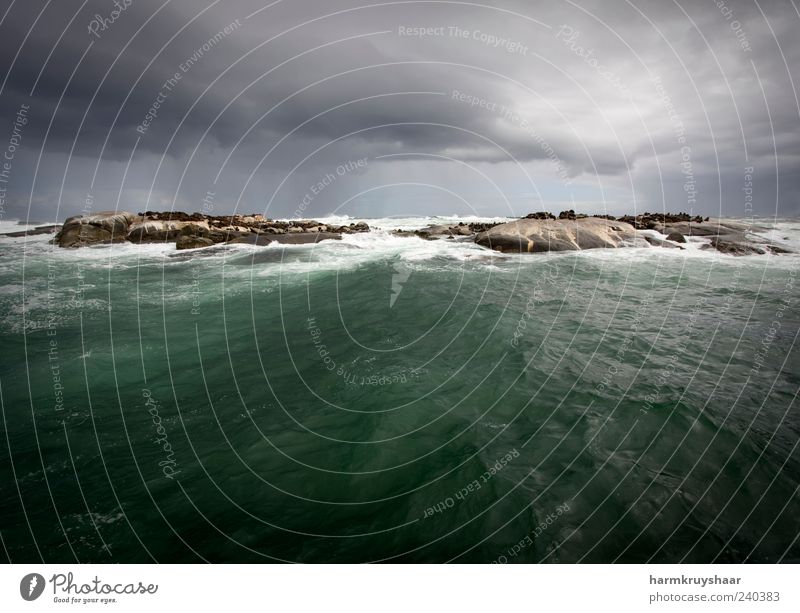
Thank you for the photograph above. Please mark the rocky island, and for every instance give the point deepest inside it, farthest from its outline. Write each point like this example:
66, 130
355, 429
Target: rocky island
542, 232
535, 233
192, 231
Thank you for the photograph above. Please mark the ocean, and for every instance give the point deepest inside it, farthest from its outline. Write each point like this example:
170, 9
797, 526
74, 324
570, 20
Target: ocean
387, 399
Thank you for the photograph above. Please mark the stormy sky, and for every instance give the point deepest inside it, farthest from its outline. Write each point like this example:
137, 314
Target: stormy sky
471, 108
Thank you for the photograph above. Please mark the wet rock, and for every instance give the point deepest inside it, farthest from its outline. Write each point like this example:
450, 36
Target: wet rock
195, 228
432, 232
534, 235
154, 226
657, 242
81, 235
98, 228
171, 216
660, 221
192, 242
734, 245
259, 240
447, 231
676, 237
713, 227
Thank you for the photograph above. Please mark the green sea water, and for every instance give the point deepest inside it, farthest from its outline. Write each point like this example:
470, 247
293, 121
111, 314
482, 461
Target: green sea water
387, 399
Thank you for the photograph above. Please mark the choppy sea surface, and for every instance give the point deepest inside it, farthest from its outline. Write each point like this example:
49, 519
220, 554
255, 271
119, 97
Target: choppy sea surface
393, 399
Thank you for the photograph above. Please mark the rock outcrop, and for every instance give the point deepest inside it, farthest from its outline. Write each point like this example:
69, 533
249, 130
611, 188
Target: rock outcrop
448, 231
659, 242
192, 242
537, 232
154, 231
725, 235
195, 230
540, 235
102, 227
733, 244
659, 221
737, 243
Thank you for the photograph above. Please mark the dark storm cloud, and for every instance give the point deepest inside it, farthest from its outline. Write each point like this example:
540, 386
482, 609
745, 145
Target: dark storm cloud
653, 105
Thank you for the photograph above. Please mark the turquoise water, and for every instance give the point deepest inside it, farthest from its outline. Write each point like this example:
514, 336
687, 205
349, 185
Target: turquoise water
394, 399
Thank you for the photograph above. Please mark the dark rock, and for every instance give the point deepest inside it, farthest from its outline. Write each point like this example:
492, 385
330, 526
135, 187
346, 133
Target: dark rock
677, 237
483, 226
192, 242
434, 232
715, 227
259, 240
195, 228
690, 229
218, 237
80, 235
445, 231
657, 242
657, 221
734, 245
350, 229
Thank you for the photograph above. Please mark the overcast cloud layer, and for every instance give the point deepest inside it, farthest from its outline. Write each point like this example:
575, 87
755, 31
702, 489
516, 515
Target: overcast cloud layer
496, 108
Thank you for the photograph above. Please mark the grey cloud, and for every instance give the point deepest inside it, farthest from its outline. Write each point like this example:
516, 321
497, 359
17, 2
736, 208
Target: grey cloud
572, 112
